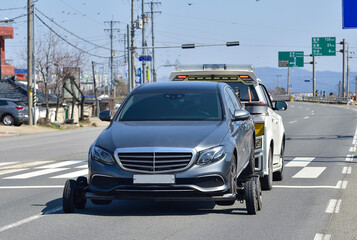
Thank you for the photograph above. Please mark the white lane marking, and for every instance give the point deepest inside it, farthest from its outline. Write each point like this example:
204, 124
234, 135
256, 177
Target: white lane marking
6, 163
339, 185
36, 173
293, 122
320, 236
25, 165
349, 158
342, 184
333, 206
60, 164
83, 166
347, 170
306, 117
31, 187
309, 172
300, 162
29, 219
353, 149
73, 174
3, 172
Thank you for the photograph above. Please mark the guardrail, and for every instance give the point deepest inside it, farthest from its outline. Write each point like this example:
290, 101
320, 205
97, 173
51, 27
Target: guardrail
329, 100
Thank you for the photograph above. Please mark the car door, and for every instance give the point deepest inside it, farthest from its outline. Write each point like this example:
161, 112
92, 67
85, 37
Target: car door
240, 128
275, 118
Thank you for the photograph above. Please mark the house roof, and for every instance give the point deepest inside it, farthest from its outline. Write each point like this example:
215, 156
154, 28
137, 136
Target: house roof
10, 88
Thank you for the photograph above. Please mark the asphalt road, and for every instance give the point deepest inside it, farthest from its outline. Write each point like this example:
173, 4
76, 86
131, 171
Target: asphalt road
315, 200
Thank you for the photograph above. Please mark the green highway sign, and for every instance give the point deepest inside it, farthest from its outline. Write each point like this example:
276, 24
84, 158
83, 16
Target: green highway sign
291, 59
324, 46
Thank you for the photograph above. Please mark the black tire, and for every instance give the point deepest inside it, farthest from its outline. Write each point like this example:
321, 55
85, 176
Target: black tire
251, 199
80, 199
259, 193
101, 202
69, 195
267, 180
279, 175
8, 120
233, 183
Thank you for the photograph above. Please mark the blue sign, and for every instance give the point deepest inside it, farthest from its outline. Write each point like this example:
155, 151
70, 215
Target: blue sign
138, 76
307, 80
349, 14
145, 58
20, 70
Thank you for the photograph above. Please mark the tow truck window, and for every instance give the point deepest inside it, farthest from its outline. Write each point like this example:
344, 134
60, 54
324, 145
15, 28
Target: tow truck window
244, 91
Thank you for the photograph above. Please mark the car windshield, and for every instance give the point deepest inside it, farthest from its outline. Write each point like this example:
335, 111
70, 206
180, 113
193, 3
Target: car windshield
185, 106
244, 91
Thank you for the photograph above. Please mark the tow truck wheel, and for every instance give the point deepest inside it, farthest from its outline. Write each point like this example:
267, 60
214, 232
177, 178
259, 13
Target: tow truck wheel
259, 193
279, 175
80, 199
267, 180
251, 198
233, 183
69, 195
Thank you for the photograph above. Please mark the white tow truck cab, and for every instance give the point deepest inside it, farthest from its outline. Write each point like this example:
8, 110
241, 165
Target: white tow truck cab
269, 128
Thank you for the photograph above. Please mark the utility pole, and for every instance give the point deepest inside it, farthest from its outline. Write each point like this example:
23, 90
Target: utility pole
95, 92
132, 46
348, 74
288, 82
277, 78
129, 58
343, 50
112, 53
29, 60
313, 76
153, 72
143, 65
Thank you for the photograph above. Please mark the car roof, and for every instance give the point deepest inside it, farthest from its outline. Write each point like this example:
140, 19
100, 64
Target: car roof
196, 86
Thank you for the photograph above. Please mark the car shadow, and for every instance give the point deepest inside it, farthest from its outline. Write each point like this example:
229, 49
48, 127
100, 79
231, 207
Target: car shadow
149, 208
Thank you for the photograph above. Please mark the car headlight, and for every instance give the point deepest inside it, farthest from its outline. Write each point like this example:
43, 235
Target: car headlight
102, 156
211, 155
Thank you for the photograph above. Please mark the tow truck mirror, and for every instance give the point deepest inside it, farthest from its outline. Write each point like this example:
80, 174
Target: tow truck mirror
105, 115
280, 105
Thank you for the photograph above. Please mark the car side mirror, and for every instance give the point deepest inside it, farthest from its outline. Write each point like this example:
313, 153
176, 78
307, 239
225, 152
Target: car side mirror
241, 115
280, 105
105, 115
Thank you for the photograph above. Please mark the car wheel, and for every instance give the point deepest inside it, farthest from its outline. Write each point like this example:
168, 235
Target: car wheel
233, 183
267, 180
69, 194
80, 199
101, 202
251, 198
279, 176
8, 120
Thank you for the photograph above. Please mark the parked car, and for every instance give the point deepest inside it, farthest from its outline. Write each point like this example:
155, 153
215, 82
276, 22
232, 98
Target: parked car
176, 141
269, 128
13, 112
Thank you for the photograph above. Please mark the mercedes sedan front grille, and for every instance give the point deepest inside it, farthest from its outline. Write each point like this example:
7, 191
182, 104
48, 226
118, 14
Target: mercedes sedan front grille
158, 161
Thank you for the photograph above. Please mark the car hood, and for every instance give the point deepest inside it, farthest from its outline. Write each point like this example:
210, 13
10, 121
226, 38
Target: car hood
198, 135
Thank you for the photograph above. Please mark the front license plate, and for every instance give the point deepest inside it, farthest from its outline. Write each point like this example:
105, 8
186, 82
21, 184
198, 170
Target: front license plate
154, 179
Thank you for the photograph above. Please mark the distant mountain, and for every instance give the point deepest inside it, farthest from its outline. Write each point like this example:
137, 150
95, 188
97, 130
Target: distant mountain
325, 80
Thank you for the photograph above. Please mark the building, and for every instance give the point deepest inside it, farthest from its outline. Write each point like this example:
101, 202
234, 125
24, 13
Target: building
6, 32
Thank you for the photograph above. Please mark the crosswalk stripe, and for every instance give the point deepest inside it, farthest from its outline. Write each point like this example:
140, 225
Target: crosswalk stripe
73, 174
36, 173
309, 172
8, 171
299, 162
83, 166
25, 165
60, 164
6, 163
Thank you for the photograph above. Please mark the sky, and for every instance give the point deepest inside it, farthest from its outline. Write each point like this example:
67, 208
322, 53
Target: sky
263, 28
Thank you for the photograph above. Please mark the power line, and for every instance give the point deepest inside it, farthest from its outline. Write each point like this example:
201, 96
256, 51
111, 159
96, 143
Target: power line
72, 32
81, 50
10, 9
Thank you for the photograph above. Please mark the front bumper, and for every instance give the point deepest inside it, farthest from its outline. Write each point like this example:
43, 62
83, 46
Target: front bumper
198, 181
